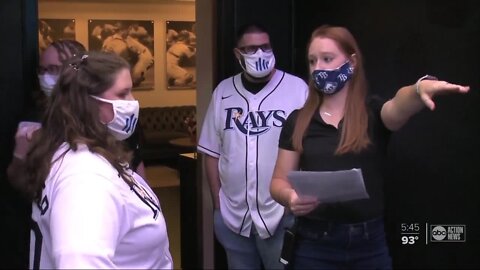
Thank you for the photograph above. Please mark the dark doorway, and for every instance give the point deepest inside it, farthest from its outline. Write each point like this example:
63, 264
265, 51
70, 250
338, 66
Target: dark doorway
17, 75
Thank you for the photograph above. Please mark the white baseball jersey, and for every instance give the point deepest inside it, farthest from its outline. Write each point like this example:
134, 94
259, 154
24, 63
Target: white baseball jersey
89, 218
242, 130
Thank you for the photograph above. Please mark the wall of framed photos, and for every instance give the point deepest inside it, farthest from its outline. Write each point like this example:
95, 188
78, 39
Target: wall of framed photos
82, 16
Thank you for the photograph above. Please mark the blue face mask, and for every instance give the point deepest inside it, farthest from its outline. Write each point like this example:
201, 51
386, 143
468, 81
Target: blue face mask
331, 81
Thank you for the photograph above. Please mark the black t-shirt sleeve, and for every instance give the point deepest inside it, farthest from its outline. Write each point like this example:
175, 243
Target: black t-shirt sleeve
375, 103
285, 140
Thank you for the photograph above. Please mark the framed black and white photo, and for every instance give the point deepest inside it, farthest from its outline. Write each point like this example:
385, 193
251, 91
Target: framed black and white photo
50, 30
180, 55
131, 39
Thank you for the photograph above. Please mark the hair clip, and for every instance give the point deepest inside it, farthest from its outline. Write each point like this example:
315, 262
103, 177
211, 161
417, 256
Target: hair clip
74, 66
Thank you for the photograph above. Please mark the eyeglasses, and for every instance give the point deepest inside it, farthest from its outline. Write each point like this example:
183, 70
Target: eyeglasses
254, 48
50, 69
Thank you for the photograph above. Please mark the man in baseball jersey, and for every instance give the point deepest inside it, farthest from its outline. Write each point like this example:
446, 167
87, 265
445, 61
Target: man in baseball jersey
239, 138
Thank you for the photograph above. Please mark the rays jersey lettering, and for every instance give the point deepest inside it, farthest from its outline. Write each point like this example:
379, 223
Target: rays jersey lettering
241, 130
253, 123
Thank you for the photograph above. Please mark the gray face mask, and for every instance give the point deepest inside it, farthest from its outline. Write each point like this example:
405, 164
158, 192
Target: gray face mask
47, 83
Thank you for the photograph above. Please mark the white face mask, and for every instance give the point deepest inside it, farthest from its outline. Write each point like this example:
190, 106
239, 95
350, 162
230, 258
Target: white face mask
47, 83
125, 117
258, 65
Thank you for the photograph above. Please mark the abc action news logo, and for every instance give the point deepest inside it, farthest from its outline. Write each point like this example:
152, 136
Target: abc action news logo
447, 233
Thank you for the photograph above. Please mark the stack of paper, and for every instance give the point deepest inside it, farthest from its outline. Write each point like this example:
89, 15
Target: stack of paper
330, 186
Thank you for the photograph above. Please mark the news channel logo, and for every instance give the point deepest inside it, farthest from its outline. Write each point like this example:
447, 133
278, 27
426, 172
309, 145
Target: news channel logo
447, 233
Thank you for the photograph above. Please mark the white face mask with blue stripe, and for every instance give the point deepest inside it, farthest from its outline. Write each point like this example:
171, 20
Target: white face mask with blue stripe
125, 117
258, 65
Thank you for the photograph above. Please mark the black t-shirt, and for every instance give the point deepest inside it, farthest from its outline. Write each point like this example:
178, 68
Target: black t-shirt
319, 145
252, 87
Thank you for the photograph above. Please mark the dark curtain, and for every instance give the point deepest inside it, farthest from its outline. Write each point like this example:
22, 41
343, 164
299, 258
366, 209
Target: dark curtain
276, 16
18, 55
432, 175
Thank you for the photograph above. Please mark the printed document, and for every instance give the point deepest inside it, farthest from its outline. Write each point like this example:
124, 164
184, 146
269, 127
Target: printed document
329, 186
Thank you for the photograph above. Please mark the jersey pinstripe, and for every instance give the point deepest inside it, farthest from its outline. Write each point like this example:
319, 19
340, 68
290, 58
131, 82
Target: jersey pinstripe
242, 130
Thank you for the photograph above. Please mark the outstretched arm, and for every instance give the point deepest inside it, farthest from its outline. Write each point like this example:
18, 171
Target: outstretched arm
411, 99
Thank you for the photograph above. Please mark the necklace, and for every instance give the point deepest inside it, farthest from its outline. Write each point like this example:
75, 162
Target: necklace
327, 114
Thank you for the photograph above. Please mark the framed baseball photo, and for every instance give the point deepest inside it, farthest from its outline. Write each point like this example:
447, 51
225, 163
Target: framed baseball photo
180, 55
50, 30
131, 39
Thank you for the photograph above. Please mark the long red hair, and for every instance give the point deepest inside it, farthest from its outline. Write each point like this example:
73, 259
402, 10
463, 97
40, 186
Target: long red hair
354, 136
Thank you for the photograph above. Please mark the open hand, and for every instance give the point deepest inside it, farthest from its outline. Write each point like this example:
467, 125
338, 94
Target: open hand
427, 89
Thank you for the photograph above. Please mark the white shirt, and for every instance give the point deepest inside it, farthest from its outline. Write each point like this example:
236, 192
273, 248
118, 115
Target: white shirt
242, 130
90, 218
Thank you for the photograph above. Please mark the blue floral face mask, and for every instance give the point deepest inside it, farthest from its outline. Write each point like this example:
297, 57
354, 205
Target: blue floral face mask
331, 81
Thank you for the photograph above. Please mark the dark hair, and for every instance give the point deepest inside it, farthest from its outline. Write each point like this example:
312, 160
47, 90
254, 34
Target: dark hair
72, 117
250, 28
354, 137
67, 48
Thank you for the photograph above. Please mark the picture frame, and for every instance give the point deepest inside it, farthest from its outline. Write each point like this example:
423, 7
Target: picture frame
50, 30
133, 40
180, 55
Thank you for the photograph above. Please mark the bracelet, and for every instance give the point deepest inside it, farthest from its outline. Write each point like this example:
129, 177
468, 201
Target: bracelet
426, 77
